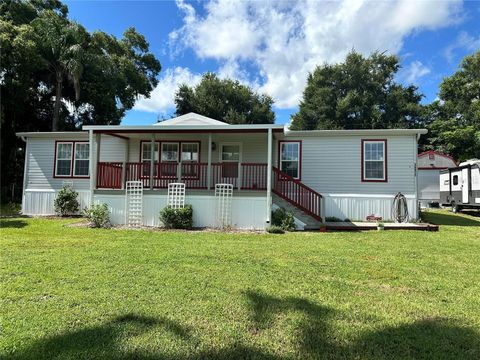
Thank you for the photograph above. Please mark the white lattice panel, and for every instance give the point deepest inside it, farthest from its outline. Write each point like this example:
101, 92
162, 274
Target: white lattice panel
223, 198
133, 203
176, 195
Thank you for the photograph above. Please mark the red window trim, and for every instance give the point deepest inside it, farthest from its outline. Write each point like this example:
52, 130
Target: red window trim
385, 166
299, 156
72, 161
179, 142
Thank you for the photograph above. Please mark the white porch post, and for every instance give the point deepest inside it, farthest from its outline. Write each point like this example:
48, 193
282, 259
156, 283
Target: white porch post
269, 176
209, 161
125, 161
91, 165
152, 159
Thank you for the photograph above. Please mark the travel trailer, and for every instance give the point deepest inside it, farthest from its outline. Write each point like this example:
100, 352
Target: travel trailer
460, 186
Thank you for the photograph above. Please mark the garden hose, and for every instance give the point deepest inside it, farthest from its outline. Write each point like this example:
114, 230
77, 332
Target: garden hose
400, 209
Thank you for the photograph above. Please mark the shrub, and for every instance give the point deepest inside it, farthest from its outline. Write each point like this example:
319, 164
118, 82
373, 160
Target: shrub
283, 219
98, 215
181, 218
66, 202
273, 229
10, 209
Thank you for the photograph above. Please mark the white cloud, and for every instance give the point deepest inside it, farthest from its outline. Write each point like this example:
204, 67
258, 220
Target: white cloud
415, 71
162, 97
463, 41
285, 40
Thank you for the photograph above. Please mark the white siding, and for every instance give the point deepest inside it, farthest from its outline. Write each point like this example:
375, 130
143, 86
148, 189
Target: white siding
254, 146
333, 165
247, 212
41, 158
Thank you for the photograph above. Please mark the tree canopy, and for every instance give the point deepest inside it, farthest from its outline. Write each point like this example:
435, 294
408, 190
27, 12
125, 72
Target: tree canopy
226, 100
359, 93
454, 119
57, 75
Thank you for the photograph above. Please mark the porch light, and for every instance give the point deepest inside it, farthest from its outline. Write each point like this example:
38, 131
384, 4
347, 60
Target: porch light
214, 146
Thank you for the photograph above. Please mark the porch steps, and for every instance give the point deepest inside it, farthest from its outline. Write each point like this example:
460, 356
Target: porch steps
310, 222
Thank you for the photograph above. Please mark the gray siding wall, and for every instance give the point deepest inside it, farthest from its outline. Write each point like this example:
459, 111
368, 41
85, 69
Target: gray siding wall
41, 158
333, 165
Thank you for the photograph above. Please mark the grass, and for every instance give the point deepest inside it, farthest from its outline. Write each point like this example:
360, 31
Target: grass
79, 293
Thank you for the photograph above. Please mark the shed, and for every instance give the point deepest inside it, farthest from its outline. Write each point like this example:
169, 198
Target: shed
429, 164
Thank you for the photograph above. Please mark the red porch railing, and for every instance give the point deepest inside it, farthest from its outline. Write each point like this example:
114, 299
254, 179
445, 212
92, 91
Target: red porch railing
297, 193
248, 176
109, 175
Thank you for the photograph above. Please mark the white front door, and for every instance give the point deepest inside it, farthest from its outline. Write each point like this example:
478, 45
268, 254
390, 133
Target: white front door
465, 186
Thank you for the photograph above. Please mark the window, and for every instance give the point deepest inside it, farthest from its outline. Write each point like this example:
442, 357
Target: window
72, 159
189, 159
169, 152
230, 158
63, 166
230, 153
146, 157
81, 163
455, 179
374, 160
189, 152
290, 158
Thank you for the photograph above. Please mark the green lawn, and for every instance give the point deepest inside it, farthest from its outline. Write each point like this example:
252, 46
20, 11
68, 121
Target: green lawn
77, 293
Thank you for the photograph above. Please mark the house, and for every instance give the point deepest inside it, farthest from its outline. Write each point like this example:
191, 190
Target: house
430, 163
316, 174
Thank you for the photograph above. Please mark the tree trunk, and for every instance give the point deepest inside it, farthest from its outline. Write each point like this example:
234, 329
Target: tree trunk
58, 99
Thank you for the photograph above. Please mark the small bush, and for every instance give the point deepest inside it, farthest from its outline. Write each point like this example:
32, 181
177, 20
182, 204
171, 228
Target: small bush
10, 209
283, 219
98, 215
181, 218
273, 229
66, 202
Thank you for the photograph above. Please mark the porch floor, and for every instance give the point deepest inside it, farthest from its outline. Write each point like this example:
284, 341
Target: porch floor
358, 226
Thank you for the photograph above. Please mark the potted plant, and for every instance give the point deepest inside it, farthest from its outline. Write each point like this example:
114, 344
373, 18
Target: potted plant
380, 225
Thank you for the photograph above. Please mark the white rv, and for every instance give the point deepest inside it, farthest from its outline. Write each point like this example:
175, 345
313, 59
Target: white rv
460, 186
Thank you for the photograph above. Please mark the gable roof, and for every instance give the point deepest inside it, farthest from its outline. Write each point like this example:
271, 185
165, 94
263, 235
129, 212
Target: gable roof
189, 120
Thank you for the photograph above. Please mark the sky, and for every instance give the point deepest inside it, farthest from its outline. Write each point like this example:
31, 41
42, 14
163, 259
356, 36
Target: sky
273, 45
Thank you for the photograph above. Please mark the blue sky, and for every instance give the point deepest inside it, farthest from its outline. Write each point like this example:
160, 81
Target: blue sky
272, 46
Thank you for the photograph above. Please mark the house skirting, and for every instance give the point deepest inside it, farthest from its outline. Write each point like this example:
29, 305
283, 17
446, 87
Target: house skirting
41, 201
248, 212
358, 207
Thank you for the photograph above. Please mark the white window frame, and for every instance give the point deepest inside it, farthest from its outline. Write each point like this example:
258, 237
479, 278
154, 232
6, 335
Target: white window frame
299, 161
157, 145
189, 143
364, 160
71, 143
161, 150
74, 155
239, 144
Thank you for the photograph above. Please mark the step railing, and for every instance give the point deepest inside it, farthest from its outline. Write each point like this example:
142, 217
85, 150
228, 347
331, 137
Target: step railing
297, 193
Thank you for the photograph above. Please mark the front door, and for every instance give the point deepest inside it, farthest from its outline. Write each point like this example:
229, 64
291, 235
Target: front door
231, 158
465, 186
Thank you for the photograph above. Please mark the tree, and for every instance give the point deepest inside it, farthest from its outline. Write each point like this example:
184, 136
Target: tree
359, 93
226, 100
101, 76
61, 45
454, 120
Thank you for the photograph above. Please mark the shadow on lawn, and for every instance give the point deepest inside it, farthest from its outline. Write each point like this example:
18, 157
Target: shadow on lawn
12, 223
444, 218
428, 339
